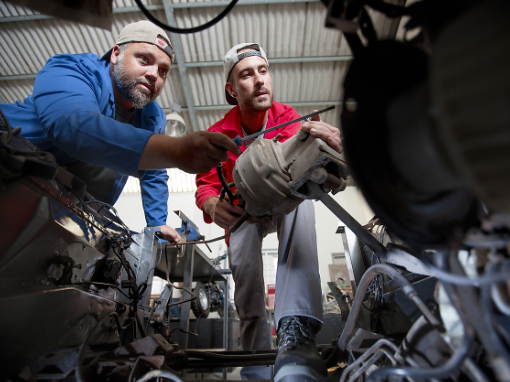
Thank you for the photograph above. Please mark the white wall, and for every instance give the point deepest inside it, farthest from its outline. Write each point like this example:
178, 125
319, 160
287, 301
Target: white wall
130, 210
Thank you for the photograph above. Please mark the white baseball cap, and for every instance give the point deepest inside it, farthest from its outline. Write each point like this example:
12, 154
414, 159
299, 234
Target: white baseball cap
144, 31
232, 58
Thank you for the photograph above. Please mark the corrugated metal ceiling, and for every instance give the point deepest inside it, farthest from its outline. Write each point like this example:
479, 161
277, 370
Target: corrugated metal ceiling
307, 61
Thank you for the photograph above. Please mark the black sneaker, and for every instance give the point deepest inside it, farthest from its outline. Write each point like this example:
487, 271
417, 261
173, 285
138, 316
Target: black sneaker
297, 358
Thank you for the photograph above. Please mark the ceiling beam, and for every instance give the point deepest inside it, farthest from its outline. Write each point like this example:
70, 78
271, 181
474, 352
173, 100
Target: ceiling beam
205, 64
179, 58
202, 4
18, 77
10, 19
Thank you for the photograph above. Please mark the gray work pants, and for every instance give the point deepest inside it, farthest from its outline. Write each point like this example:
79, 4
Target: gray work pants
298, 290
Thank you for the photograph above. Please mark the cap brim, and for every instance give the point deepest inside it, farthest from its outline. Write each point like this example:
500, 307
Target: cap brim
231, 100
107, 55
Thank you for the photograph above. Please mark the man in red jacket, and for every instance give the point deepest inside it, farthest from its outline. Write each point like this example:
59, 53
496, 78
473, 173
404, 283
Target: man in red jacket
298, 305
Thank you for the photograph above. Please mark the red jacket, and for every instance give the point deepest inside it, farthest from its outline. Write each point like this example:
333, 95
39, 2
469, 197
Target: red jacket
208, 184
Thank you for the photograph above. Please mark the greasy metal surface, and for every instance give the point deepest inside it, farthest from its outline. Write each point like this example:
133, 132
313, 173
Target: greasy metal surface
47, 251
159, 313
270, 176
142, 254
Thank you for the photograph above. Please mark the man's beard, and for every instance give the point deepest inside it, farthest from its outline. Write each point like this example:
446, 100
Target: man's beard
128, 87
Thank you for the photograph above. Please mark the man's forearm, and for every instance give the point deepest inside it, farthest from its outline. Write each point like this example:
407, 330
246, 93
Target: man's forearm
160, 151
194, 153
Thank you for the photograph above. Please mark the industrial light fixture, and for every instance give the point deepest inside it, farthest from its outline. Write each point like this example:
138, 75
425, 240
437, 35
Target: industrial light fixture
175, 125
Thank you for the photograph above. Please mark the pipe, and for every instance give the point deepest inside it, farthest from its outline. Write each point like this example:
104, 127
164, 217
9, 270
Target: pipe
440, 372
455, 361
373, 350
369, 275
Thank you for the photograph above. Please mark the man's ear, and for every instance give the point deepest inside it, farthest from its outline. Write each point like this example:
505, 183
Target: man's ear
230, 89
115, 54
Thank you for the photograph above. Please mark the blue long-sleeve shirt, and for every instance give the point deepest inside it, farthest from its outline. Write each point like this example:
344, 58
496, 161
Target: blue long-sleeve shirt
71, 114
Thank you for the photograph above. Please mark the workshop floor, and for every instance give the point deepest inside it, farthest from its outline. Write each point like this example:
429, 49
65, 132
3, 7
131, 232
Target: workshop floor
234, 375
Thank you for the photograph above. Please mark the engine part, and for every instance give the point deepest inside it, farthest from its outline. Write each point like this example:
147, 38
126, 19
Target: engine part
438, 124
271, 176
386, 128
201, 305
372, 272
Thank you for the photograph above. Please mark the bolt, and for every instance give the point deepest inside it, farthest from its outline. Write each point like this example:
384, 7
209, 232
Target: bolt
286, 168
351, 105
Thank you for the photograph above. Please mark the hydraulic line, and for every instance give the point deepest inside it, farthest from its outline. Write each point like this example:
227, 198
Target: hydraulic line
364, 283
497, 353
369, 353
456, 360
440, 372
369, 275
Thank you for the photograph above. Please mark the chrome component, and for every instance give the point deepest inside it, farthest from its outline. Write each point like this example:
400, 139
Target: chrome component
204, 301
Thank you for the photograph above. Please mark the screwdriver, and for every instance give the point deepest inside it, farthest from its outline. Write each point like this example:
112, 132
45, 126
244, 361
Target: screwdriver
240, 140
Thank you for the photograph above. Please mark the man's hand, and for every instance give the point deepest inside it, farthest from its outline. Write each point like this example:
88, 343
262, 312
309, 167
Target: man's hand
324, 131
220, 211
170, 234
194, 153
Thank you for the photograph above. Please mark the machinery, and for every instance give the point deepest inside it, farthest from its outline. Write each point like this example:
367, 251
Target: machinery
426, 137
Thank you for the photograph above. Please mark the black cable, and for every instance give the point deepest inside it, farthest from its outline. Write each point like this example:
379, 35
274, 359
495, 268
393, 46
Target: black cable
84, 206
109, 206
186, 30
135, 291
224, 183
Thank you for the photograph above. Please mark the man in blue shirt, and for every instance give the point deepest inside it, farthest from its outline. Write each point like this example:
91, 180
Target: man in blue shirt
99, 118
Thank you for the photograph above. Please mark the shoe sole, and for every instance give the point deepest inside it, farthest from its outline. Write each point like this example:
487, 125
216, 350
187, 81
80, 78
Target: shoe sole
298, 373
